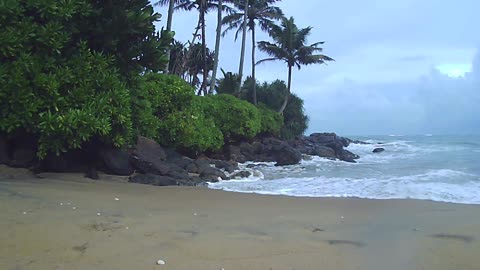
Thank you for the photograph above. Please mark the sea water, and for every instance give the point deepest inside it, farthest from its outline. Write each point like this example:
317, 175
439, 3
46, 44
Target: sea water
429, 167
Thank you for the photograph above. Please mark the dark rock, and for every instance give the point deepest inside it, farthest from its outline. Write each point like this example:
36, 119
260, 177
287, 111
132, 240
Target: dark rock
116, 161
229, 167
360, 142
282, 152
152, 179
92, 173
149, 150
323, 151
73, 161
234, 153
241, 174
4, 157
212, 174
192, 168
347, 156
153, 166
23, 156
378, 150
172, 155
250, 166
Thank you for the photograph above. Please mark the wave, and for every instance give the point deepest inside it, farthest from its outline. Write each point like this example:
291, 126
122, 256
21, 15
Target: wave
438, 185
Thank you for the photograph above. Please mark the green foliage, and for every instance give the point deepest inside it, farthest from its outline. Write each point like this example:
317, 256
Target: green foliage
65, 103
271, 121
228, 84
237, 119
125, 29
64, 67
295, 122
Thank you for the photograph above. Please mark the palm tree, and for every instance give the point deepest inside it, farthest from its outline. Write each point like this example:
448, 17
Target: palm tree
203, 7
259, 11
217, 45
289, 46
171, 5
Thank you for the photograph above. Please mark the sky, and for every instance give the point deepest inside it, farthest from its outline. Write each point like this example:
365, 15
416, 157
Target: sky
401, 66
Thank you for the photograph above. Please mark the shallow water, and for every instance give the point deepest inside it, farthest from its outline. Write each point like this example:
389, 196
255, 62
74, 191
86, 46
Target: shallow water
440, 168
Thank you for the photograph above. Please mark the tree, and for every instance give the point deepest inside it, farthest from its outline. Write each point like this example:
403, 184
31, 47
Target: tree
289, 46
217, 45
228, 84
203, 7
260, 12
171, 9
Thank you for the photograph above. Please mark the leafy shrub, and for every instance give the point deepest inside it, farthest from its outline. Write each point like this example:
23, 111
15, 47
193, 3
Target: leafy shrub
237, 119
271, 121
64, 67
272, 95
66, 103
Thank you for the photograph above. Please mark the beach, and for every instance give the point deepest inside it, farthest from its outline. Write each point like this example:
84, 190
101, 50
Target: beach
65, 221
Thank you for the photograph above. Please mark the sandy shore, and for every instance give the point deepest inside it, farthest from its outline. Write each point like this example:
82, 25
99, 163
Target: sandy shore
68, 222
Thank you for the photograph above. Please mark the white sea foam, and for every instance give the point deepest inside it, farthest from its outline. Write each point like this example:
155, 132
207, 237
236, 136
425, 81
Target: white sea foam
433, 185
431, 170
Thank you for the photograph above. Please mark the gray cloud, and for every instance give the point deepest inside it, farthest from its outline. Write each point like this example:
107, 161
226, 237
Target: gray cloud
384, 79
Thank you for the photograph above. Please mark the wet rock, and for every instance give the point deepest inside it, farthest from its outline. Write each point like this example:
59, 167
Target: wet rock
241, 175
229, 167
347, 156
212, 174
149, 157
152, 179
378, 150
323, 151
116, 161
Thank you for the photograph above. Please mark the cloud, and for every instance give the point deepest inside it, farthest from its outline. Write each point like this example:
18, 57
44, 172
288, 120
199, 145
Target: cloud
435, 103
384, 79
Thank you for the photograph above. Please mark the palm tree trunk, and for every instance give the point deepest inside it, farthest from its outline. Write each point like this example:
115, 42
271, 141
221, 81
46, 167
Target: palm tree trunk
287, 95
203, 88
217, 46
253, 68
242, 54
171, 5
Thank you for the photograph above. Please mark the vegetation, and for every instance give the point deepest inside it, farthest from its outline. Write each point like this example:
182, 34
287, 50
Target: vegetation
259, 12
289, 46
76, 72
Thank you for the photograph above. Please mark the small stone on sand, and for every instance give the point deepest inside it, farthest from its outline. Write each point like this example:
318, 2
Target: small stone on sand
117, 199
74, 208
99, 214
24, 213
161, 262
61, 203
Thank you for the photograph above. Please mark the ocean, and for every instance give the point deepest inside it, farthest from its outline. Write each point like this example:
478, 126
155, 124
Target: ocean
427, 167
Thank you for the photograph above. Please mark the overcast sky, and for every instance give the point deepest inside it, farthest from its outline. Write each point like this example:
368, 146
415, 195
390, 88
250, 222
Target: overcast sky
402, 66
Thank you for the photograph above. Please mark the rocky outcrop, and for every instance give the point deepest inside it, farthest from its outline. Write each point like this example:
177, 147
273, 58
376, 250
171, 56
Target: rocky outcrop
265, 150
116, 161
378, 150
327, 145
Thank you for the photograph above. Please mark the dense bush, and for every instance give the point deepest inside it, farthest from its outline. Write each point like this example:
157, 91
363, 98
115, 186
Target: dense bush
66, 67
272, 95
271, 121
237, 119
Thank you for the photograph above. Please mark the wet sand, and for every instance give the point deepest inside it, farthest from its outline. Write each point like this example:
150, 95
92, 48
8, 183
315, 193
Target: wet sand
69, 222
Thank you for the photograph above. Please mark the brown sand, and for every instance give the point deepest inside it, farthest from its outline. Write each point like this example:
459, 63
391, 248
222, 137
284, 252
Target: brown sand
197, 228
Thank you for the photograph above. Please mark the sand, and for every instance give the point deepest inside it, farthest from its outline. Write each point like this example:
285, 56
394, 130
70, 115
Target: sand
68, 222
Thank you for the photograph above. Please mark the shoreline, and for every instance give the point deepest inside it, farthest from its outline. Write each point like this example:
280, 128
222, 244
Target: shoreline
201, 228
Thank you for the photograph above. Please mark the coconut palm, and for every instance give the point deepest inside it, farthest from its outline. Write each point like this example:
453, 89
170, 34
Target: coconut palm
171, 5
259, 12
289, 46
203, 7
